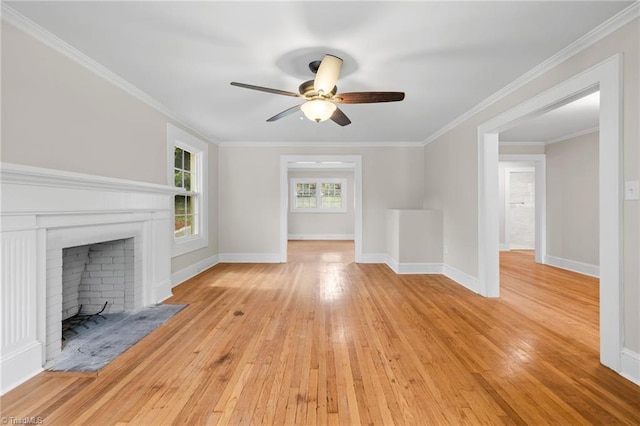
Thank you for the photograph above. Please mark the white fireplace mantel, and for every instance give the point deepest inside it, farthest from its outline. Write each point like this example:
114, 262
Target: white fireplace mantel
44, 211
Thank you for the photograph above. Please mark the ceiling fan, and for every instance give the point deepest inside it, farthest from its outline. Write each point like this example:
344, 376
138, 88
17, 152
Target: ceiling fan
320, 94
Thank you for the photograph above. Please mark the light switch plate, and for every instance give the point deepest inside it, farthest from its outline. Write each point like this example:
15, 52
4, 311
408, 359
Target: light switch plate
632, 190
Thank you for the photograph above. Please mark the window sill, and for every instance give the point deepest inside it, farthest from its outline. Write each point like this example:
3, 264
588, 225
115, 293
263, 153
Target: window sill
186, 245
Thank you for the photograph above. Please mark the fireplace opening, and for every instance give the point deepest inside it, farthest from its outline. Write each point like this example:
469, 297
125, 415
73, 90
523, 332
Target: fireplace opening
96, 278
70, 325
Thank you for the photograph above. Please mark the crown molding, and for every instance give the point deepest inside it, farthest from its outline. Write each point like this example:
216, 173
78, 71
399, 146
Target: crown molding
551, 141
601, 31
321, 144
29, 27
573, 135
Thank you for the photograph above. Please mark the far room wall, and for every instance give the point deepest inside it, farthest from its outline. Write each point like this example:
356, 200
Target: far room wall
332, 225
572, 199
392, 178
572, 212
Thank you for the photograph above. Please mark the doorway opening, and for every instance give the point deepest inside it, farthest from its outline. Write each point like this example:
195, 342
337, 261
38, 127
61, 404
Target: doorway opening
604, 77
518, 232
567, 138
320, 199
534, 165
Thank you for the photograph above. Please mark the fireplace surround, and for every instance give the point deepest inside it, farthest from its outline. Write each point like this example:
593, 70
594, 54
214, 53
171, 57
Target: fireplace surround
46, 211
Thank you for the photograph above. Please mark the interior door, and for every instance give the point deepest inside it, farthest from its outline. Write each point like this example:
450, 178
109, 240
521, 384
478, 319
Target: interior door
522, 210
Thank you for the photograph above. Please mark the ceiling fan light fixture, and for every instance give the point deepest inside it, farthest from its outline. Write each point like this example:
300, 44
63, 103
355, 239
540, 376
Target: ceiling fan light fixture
321, 94
318, 110
327, 74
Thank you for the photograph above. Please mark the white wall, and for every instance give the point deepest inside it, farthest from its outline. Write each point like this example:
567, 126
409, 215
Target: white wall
451, 171
572, 199
451, 186
520, 148
414, 237
57, 114
323, 225
391, 179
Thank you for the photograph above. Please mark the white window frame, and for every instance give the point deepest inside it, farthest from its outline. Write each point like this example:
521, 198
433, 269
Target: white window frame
177, 137
318, 208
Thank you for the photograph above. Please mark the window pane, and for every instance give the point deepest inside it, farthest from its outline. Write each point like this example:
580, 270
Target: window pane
187, 181
186, 221
306, 202
177, 178
306, 189
180, 202
331, 195
191, 225
179, 226
331, 189
177, 158
187, 160
331, 202
305, 195
190, 205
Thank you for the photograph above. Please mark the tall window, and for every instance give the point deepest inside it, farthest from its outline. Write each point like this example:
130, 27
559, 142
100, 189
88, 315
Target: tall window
186, 203
188, 172
318, 195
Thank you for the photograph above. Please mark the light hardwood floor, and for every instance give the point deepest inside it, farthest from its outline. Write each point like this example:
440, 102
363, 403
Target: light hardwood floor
322, 340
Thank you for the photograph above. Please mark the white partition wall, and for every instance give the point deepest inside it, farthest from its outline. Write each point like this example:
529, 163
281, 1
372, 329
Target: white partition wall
414, 241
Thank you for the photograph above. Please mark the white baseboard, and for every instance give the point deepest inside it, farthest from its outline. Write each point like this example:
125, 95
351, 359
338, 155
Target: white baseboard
504, 247
392, 264
630, 365
452, 273
191, 271
517, 247
373, 258
420, 268
413, 268
320, 236
249, 257
19, 366
461, 278
162, 291
572, 265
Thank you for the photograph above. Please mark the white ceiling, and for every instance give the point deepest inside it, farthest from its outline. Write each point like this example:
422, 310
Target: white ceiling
565, 121
447, 57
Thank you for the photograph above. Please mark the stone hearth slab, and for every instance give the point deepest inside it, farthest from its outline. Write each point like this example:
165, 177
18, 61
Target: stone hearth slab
106, 337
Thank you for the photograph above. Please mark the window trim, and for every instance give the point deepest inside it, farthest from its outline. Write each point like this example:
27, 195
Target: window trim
318, 208
177, 137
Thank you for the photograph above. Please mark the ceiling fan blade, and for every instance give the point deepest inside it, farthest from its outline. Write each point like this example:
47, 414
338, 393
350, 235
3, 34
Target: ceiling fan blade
284, 113
265, 89
339, 117
327, 74
368, 97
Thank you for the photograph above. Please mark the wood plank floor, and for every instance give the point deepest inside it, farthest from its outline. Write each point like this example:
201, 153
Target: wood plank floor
322, 340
